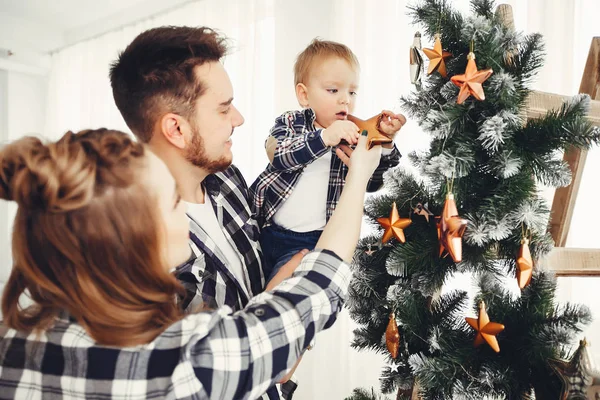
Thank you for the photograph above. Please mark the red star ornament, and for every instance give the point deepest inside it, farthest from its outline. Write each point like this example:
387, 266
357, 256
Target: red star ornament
470, 82
437, 57
375, 136
394, 226
524, 264
486, 330
450, 228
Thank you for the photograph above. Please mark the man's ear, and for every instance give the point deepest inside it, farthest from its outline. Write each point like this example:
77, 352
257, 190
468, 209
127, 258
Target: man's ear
172, 128
302, 94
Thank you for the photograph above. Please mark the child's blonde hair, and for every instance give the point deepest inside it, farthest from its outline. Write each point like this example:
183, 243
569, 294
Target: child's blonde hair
321, 49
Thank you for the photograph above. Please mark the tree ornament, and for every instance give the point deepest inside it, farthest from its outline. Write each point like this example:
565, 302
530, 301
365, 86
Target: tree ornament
416, 62
375, 135
392, 336
421, 209
524, 264
437, 57
450, 228
486, 330
576, 374
394, 226
470, 82
369, 250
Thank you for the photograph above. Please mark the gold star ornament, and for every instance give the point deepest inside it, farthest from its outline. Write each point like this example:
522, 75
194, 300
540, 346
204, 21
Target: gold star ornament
375, 135
524, 264
437, 57
470, 83
394, 226
451, 228
486, 330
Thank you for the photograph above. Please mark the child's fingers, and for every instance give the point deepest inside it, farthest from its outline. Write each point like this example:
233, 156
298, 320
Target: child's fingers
401, 118
388, 113
343, 152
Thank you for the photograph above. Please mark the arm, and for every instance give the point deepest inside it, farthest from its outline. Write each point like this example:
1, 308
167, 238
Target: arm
293, 149
246, 353
241, 355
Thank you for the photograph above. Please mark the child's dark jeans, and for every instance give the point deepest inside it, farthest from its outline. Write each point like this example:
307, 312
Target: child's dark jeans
279, 245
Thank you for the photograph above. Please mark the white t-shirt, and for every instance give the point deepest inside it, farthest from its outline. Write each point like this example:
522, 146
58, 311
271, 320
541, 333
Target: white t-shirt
304, 209
204, 215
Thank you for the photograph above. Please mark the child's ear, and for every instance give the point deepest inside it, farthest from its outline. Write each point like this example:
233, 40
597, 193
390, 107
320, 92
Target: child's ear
302, 94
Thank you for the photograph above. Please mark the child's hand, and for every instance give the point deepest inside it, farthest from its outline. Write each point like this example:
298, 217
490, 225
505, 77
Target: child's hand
390, 125
338, 131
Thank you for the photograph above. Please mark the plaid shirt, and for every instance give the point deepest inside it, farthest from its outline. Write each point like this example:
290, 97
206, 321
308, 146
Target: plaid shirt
217, 355
205, 275
299, 144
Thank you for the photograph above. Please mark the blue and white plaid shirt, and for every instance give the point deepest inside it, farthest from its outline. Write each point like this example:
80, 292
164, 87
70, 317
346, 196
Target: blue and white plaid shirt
299, 143
211, 355
205, 276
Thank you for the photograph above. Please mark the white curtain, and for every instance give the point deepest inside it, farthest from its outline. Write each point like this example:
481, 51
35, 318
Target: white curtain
267, 35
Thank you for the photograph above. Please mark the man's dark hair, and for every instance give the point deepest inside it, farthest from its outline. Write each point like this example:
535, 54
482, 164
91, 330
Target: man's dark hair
155, 74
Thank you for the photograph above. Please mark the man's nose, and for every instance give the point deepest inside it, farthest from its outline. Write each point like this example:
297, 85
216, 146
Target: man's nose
238, 118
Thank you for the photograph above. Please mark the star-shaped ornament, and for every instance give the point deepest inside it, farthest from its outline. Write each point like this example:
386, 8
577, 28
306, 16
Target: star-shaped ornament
450, 228
470, 82
421, 209
576, 374
437, 57
372, 126
486, 330
394, 226
369, 250
524, 264
394, 367
416, 62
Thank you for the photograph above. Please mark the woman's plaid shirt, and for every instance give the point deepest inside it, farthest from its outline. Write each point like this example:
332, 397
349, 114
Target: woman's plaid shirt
218, 355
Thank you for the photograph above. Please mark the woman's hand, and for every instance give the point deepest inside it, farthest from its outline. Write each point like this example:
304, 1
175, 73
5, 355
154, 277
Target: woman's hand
360, 161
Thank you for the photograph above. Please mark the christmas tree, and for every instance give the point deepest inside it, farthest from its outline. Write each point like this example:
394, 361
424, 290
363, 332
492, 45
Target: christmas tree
475, 207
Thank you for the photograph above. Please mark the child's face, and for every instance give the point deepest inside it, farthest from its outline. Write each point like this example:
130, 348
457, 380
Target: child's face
330, 91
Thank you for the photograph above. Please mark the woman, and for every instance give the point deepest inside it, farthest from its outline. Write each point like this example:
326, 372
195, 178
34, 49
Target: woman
98, 227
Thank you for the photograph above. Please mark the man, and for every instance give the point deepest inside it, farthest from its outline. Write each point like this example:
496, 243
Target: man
175, 95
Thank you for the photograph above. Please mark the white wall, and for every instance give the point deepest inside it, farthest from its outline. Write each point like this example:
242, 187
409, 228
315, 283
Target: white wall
22, 110
4, 234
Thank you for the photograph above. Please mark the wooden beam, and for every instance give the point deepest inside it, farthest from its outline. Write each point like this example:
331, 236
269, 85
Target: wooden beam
564, 198
567, 261
539, 103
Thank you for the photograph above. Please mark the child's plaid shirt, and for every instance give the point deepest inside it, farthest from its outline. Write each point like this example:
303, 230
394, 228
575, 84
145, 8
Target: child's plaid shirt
299, 144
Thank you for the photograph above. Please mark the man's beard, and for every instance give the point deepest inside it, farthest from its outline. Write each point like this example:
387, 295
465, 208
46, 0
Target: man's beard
196, 154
